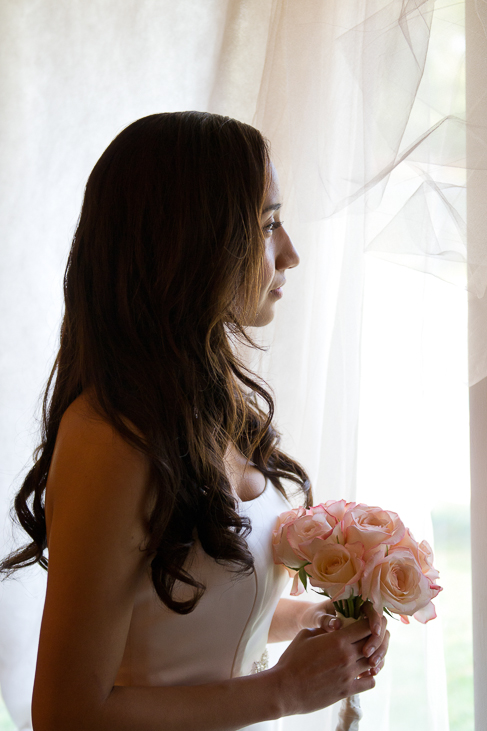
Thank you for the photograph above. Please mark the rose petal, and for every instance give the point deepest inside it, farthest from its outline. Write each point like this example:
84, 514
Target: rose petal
426, 613
397, 582
338, 508
297, 587
372, 526
337, 569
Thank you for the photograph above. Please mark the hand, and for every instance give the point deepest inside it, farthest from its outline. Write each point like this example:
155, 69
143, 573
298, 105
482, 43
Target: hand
293, 615
320, 668
323, 615
320, 615
377, 644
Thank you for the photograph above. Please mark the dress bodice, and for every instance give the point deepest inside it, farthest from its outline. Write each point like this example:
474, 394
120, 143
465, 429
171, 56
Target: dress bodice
227, 631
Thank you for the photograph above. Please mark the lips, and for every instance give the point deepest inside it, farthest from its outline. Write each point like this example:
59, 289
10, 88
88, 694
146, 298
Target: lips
276, 292
278, 286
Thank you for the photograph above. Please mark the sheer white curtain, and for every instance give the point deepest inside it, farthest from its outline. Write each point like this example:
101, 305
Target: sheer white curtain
476, 67
332, 84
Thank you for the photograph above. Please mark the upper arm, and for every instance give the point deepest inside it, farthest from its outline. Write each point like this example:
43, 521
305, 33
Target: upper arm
97, 503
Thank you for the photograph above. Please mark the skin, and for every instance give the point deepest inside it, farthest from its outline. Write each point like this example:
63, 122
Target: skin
291, 616
280, 253
97, 507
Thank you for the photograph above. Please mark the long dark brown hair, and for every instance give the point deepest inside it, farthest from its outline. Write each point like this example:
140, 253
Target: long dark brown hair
164, 268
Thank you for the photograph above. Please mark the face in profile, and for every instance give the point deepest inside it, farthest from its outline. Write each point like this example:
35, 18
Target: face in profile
280, 254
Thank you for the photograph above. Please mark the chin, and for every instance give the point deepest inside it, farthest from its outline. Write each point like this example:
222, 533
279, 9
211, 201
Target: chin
263, 318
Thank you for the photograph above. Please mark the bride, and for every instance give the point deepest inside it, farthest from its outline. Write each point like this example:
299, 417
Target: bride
159, 476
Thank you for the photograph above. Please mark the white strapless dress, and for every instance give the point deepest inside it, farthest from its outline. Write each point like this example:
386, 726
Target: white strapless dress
226, 635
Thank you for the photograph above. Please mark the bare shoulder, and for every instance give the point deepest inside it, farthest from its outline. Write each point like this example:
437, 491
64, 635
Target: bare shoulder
82, 424
93, 465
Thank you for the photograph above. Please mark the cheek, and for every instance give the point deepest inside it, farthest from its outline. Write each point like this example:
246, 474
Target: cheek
267, 271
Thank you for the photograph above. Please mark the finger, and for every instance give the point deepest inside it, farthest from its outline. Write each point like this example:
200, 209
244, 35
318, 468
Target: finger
376, 670
357, 631
308, 632
330, 623
361, 666
360, 685
366, 673
373, 617
374, 641
372, 671
329, 607
379, 655
351, 640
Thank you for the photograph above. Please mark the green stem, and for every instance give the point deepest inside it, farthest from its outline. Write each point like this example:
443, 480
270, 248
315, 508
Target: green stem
351, 607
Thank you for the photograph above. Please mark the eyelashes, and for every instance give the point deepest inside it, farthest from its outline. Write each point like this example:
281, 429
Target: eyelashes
272, 226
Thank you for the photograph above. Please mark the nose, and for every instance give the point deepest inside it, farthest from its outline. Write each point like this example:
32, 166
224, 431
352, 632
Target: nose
288, 257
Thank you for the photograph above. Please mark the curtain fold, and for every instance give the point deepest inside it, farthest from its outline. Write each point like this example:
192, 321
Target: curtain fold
476, 67
372, 163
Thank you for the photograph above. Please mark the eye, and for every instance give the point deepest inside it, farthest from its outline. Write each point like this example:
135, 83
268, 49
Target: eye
272, 226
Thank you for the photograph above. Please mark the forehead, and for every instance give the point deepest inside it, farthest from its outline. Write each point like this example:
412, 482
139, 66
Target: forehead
273, 194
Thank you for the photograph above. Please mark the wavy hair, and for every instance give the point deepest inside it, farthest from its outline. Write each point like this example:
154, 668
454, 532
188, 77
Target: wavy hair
164, 268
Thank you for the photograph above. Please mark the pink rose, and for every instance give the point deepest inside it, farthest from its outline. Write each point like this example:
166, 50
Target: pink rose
395, 581
424, 614
423, 554
337, 569
426, 558
320, 508
306, 530
297, 588
338, 508
281, 549
372, 526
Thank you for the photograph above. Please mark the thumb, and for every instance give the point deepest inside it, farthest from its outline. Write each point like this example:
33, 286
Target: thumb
329, 623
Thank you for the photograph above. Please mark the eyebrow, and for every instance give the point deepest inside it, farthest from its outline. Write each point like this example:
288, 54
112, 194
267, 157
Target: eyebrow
273, 207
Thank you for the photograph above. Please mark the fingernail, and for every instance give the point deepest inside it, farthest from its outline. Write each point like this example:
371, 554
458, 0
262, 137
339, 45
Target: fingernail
335, 623
369, 651
377, 662
376, 629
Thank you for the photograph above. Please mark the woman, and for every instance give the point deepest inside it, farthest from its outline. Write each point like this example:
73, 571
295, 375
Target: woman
158, 479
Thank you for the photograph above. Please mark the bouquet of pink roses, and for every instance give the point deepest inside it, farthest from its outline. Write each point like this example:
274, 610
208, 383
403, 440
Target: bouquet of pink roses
353, 553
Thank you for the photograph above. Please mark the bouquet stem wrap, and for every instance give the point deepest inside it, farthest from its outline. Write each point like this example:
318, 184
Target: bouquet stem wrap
350, 712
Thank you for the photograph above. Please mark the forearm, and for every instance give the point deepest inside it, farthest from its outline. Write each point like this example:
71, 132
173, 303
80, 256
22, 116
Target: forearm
288, 619
224, 706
